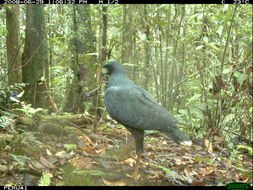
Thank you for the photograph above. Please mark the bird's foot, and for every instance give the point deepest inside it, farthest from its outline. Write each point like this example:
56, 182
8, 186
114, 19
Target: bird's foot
136, 173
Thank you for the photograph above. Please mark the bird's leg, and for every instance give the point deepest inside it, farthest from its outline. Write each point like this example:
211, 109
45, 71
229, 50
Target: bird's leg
139, 142
137, 166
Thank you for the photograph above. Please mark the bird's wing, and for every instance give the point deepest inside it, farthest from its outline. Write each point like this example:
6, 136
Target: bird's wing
135, 107
146, 94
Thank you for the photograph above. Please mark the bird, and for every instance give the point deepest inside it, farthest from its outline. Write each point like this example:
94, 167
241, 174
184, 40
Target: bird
137, 110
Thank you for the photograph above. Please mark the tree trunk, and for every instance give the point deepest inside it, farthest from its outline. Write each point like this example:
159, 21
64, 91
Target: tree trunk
127, 33
12, 44
35, 57
147, 47
82, 64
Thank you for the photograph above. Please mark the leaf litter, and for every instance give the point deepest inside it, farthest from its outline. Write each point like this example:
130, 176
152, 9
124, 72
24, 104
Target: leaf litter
163, 162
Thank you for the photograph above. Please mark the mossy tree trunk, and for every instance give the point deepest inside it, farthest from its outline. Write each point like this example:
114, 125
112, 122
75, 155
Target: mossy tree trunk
12, 44
83, 61
35, 57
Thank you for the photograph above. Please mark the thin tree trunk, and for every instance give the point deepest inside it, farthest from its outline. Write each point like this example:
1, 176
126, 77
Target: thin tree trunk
146, 47
12, 44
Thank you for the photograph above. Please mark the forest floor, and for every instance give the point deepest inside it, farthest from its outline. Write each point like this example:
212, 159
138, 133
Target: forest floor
91, 159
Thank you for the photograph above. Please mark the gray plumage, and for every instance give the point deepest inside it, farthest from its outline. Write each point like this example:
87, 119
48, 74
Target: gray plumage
137, 109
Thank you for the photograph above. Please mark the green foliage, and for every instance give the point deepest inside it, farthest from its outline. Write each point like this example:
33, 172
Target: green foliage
28, 110
251, 109
172, 174
5, 121
2, 145
60, 183
25, 144
45, 179
70, 146
205, 159
6, 100
240, 76
79, 180
246, 147
20, 161
73, 130
74, 177
234, 155
239, 164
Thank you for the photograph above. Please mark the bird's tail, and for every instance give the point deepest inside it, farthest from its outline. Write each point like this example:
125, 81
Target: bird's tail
176, 135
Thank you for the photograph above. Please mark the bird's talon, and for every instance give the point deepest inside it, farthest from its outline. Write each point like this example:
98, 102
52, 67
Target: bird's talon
134, 175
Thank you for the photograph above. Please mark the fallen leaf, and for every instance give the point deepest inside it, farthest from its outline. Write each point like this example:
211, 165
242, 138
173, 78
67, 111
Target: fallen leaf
37, 165
49, 153
218, 139
178, 161
188, 177
88, 149
130, 162
87, 140
106, 164
223, 171
160, 175
208, 145
114, 183
46, 163
207, 170
52, 160
81, 162
100, 151
3, 168
63, 154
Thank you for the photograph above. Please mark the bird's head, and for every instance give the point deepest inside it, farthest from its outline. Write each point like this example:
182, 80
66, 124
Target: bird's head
113, 68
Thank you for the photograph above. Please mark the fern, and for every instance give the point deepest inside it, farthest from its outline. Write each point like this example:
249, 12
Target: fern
4, 121
45, 179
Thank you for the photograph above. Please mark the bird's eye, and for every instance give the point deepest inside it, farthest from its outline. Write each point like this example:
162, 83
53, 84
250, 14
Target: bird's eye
105, 70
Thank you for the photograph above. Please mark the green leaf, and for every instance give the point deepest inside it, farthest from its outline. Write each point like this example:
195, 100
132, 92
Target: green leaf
241, 77
183, 112
226, 71
193, 16
45, 179
90, 172
246, 147
59, 183
67, 170
92, 54
192, 99
143, 37
4, 121
21, 160
199, 47
70, 146
220, 29
205, 39
229, 118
